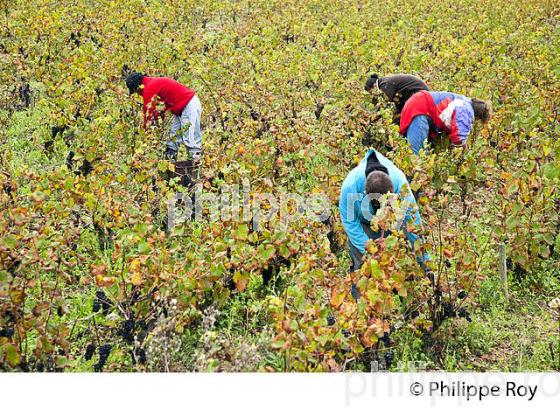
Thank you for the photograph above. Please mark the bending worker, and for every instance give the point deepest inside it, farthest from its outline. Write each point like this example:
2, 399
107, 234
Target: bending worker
427, 114
181, 101
374, 176
398, 88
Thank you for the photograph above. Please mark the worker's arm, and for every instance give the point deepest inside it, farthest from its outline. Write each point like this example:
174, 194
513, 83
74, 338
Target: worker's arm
461, 124
386, 87
417, 133
412, 218
350, 221
412, 215
151, 114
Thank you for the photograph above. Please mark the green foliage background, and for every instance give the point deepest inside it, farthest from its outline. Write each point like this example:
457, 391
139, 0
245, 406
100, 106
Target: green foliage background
281, 83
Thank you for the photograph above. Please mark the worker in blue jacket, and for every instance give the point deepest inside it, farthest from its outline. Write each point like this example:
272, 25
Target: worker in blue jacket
375, 174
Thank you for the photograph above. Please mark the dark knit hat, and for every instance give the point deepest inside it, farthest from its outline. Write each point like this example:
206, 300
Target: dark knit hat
133, 81
370, 82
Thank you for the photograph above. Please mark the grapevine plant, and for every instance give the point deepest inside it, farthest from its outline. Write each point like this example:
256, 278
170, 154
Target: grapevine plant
91, 276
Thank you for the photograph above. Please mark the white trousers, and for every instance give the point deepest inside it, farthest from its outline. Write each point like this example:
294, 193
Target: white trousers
185, 128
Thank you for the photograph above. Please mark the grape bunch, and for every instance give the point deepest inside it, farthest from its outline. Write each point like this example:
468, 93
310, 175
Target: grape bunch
142, 356
101, 302
7, 332
386, 339
143, 332
463, 312
104, 352
389, 356
448, 310
127, 330
96, 306
90, 350
138, 355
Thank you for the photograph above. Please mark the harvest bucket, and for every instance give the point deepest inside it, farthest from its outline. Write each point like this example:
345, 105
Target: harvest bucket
188, 172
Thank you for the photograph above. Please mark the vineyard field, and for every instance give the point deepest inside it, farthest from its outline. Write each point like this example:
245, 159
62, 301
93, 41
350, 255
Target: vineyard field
101, 272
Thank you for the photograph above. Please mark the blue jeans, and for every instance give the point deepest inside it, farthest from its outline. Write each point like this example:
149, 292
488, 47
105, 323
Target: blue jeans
417, 132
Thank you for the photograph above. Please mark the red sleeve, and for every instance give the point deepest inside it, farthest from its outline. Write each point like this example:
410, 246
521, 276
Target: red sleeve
150, 102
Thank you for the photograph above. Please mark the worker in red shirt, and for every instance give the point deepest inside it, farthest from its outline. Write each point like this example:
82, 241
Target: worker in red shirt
429, 113
181, 101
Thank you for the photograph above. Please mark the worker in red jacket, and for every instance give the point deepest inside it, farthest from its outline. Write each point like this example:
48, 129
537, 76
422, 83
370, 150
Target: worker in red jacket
428, 113
181, 101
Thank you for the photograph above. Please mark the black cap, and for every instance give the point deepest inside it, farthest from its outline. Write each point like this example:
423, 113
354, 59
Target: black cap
133, 81
370, 82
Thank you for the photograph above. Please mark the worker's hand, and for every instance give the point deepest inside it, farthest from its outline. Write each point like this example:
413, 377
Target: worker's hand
459, 150
464, 145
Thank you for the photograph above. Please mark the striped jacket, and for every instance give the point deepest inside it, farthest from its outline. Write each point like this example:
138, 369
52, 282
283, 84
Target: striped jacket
448, 112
